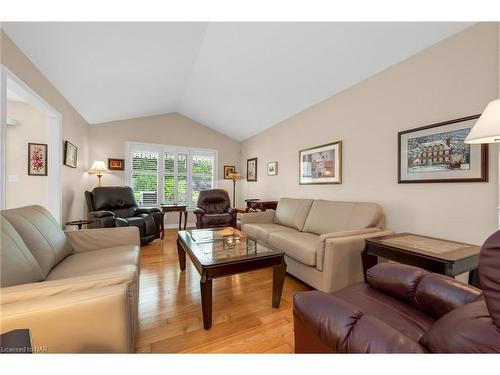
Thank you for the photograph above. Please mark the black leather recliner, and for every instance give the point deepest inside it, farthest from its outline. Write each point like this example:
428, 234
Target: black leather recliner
115, 206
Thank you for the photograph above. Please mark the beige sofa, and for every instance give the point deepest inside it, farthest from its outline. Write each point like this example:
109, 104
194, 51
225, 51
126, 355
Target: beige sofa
322, 240
76, 291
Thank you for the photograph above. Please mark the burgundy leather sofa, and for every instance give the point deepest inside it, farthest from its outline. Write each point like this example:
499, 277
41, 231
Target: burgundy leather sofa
214, 210
404, 309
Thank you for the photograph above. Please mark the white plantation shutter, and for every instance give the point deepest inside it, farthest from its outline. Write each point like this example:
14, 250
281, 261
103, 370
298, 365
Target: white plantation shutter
202, 174
144, 177
178, 173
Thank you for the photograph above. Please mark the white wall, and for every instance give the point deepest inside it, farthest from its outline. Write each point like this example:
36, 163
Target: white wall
107, 140
22, 189
454, 78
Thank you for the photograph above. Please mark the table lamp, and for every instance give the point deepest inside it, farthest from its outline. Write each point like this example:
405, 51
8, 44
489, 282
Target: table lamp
234, 176
99, 168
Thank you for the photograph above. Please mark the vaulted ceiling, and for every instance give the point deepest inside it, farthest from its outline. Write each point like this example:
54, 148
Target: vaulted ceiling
237, 78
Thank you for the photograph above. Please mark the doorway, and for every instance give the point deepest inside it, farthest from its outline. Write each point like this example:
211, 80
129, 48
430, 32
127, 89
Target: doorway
25, 118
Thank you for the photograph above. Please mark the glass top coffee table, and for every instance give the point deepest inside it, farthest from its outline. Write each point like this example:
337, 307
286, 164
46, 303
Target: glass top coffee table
219, 252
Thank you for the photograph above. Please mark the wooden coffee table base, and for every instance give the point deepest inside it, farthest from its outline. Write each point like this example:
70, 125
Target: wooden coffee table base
276, 261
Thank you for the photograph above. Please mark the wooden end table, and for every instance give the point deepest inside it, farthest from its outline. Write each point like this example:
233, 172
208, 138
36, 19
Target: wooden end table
257, 204
180, 208
80, 223
219, 252
433, 254
17, 341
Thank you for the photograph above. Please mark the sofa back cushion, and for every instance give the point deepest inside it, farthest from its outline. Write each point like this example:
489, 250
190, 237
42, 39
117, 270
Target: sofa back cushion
292, 212
18, 266
114, 198
330, 216
41, 233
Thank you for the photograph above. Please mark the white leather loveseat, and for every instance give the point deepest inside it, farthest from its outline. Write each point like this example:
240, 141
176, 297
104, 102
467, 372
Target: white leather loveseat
76, 291
322, 240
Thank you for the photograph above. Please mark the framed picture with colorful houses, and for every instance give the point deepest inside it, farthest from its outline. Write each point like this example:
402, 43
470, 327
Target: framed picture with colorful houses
438, 153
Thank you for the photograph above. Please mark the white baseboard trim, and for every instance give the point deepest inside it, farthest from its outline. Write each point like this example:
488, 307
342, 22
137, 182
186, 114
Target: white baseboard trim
176, 226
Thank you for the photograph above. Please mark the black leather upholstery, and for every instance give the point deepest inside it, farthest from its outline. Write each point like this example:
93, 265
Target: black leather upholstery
115, 206
214, 210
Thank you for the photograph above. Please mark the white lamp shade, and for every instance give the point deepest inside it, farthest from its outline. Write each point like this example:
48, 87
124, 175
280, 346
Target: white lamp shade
487, 127
98, 167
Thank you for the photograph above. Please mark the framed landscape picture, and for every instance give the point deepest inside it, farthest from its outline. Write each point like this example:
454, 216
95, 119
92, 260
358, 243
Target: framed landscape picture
37, 159
321, 164
272, 168
437, 153
116, 164
252, 169
228, 169
70, 154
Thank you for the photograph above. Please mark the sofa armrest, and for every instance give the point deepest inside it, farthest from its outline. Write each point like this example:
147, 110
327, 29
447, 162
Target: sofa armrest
45, 289
94, 239
147, 210
60, 323
344, 328
348, 233
100, 214
340, 259
261, 217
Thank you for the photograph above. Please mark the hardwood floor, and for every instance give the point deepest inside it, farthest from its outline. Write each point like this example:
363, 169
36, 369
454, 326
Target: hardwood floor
170, 319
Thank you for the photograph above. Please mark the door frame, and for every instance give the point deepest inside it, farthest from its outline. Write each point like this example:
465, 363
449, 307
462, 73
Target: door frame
9, 80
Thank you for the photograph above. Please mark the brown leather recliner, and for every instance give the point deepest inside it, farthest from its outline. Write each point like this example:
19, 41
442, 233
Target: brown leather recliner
214, 210
404, 309
115, 206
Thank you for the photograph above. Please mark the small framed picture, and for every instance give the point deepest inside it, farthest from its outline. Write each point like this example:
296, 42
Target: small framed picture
438, 153
228, 169
116, 164
272, 168
252, 169
37, 159
70, 154
321, 164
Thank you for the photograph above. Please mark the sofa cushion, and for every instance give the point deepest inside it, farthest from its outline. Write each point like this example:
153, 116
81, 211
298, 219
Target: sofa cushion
330, 216
97, 261
302, 247
18, 266
261, 231
41, 233
292, 212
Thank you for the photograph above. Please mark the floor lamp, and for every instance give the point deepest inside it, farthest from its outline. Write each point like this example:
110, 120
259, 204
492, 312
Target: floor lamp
234, 176
98, 168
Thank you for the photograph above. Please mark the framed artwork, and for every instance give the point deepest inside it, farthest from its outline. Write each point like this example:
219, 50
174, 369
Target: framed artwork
37, 159
437, 153
70, 154
321, 164
252, 169
116, 164
272, 168
228, 169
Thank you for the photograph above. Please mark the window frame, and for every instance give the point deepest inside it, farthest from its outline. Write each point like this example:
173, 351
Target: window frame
131, 147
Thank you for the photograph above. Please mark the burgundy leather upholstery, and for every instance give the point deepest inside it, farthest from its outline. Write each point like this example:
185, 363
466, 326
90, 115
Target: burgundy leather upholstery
115, 206
404, 309
214, 210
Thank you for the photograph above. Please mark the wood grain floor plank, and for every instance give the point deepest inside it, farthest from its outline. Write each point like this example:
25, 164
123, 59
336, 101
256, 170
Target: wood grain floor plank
170, 319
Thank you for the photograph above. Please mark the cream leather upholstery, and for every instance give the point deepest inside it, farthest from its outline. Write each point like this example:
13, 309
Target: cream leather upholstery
322, 240
76, 292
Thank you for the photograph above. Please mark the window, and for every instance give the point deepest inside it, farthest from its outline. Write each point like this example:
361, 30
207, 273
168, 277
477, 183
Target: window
178, 173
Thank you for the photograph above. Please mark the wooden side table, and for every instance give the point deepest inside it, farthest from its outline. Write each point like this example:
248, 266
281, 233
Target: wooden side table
433, 254
180, 208
257, 204
80, 223
17, 341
